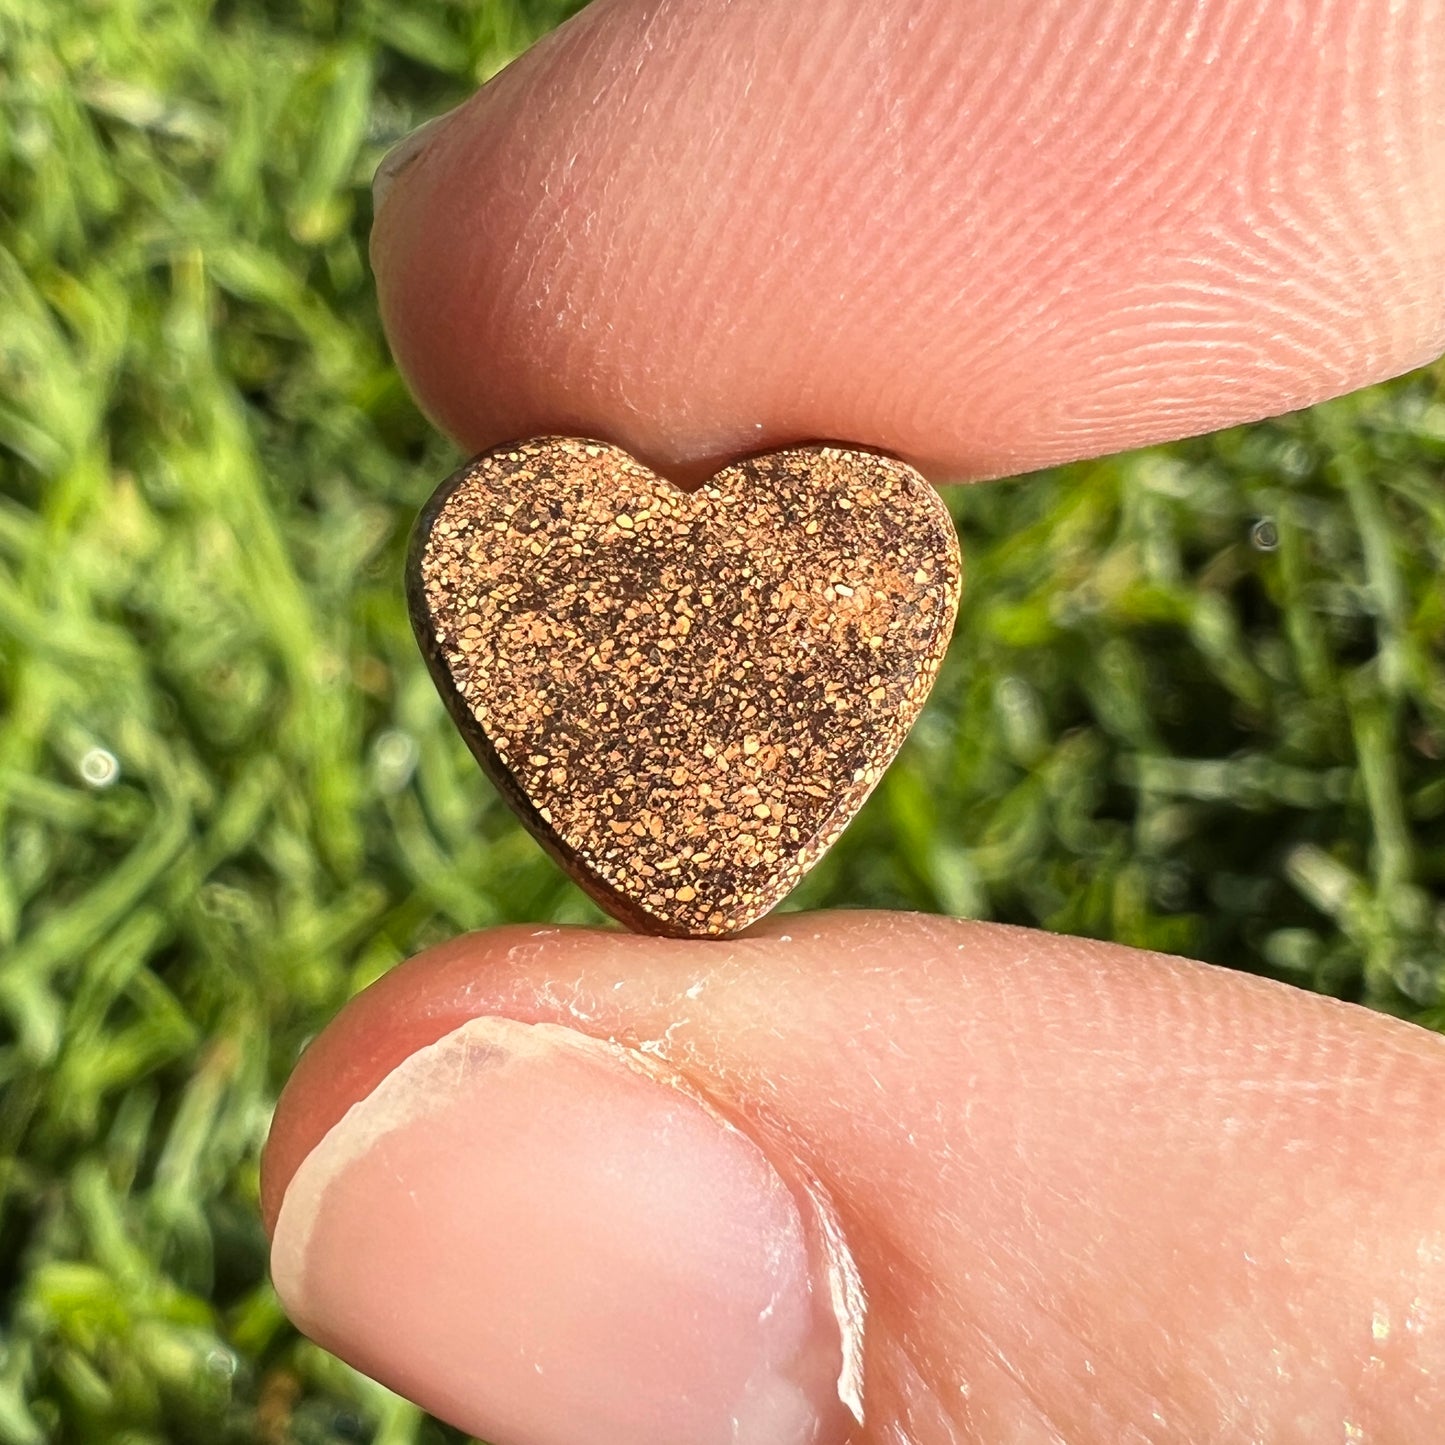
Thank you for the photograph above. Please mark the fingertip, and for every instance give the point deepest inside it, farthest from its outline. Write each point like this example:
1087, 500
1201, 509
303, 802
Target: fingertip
983, 241
531, 1231
1206, 1177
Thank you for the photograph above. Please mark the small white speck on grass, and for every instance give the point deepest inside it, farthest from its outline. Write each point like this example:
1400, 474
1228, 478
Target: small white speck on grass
394, 757
99, 768
221, 1363
1264, 535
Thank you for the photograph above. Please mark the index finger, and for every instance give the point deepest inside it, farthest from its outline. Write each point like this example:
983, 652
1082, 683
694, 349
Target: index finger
983, 238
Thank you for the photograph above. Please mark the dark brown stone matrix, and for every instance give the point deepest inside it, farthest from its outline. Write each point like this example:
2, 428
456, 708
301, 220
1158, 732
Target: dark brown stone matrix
685, 695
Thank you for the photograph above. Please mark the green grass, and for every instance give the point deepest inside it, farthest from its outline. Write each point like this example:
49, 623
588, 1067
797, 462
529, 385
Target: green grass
1155, 726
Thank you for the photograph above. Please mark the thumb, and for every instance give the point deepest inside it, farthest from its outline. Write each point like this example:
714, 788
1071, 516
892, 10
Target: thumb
563, 1185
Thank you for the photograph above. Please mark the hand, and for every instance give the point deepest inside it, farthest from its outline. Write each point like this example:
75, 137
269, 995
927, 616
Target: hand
1087, 1194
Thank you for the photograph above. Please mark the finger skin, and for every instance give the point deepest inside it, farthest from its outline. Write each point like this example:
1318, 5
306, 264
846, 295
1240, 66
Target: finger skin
983, 237
1093, 1193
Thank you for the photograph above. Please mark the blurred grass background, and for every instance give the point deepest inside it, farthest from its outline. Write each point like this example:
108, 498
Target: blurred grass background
1197, 700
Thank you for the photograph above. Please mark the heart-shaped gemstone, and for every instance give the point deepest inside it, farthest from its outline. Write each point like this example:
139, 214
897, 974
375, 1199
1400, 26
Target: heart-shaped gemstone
686, 696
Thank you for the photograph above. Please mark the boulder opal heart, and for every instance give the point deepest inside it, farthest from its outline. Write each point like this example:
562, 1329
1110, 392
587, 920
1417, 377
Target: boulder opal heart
686, 696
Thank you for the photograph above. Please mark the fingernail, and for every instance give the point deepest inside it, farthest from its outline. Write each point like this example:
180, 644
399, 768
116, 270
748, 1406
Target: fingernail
403, 153
540, 1239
